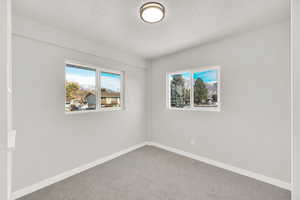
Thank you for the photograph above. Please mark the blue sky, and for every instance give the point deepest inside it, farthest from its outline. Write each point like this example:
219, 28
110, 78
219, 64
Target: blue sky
80, 71
87, 78
185, 75
207, 76
111, 81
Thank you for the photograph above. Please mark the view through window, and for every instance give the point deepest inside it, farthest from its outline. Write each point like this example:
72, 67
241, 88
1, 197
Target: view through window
80, 88
206, 88
110, 89
81, 85
195, 89
180, 87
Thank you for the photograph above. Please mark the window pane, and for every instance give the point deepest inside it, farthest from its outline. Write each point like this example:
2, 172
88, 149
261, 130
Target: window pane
80, 88
180, 88
110, 89
206, 88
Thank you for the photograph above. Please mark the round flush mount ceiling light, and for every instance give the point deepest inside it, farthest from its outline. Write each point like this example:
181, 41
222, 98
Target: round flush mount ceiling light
152, 12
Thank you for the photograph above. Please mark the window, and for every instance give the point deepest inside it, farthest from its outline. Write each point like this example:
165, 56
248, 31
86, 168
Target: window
180, 90
195, 89
206, 88
80, 88
110, 89
92, 89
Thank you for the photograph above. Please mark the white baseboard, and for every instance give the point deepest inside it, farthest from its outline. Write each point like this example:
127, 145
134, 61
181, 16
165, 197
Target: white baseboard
67, 174
237, 170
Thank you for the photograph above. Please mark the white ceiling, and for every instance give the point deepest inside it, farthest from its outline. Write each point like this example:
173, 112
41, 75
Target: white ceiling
187, 23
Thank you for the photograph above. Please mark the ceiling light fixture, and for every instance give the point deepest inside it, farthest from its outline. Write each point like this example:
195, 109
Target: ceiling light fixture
152, 12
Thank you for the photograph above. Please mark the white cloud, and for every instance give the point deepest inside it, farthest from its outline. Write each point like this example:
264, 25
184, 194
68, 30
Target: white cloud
82, 80
110, 83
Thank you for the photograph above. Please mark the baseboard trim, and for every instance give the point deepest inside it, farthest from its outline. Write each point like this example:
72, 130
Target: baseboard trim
32, 188
218, 164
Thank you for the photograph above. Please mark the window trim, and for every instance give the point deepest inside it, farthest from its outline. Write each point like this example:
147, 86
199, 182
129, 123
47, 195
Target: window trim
97, 87
192, 71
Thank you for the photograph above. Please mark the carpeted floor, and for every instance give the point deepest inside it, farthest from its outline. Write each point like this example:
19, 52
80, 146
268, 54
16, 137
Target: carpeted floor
150, 173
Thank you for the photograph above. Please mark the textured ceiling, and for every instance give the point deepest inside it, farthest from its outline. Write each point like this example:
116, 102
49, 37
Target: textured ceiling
187, 23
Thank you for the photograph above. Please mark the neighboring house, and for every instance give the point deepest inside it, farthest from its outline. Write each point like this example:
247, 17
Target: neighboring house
90, 99
110, 99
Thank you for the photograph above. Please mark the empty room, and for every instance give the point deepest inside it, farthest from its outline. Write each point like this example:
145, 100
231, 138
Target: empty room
149, 100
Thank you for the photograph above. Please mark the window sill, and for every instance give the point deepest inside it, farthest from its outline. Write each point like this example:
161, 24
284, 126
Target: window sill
218, 109
95, 111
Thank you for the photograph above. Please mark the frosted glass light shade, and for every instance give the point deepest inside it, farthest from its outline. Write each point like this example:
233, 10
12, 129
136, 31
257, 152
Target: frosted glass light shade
152, 12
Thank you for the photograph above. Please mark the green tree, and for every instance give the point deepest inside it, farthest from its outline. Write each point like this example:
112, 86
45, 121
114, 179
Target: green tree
72, 89
200, 91
177, 91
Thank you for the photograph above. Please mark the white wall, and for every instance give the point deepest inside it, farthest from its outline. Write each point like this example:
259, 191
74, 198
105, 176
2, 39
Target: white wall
5, 99
252, 131
296, 100
50, 142
43, 32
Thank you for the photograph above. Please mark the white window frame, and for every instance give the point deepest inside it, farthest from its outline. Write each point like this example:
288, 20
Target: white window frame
98, 87
192, 71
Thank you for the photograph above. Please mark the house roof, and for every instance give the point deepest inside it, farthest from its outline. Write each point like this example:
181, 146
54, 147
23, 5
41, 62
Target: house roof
110, 94
105, 94
89, 94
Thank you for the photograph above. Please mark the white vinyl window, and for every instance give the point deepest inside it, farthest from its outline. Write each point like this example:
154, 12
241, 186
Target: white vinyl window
197, 89
90, 89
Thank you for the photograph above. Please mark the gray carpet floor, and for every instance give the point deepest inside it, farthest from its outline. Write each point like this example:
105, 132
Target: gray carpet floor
150, 173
